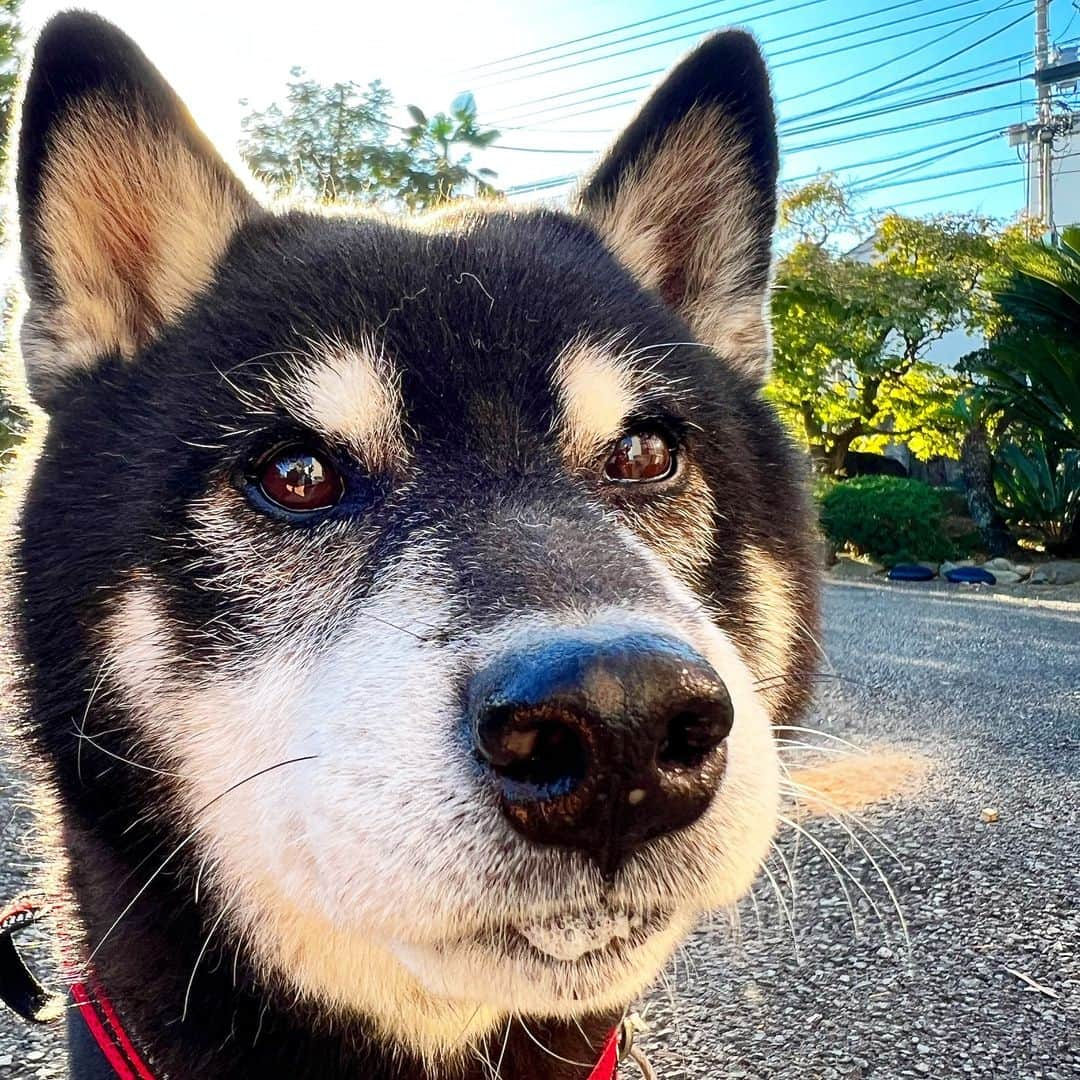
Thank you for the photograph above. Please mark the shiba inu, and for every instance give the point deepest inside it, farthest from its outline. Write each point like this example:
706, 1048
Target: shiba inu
404, 607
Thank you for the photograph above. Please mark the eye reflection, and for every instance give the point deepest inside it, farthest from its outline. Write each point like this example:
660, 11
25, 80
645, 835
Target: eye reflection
639, 458
301, 480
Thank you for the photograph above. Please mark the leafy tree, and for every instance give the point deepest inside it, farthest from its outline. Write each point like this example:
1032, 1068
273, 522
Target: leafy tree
325, 142
852, 333
336, 143
12, 421
9, 63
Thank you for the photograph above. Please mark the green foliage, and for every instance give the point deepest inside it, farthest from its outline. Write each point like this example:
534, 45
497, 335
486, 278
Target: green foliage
1029, 378
1027, 390
10, 37
1042, 491
12, 421
336, 143
851, 334
890, 519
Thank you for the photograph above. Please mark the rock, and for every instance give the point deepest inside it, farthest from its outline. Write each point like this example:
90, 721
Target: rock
1006, 566
990, 815
856, 569
1058, 572
1005, 577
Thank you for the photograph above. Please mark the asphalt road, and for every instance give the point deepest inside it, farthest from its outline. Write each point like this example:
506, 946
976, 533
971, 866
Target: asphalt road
985, 982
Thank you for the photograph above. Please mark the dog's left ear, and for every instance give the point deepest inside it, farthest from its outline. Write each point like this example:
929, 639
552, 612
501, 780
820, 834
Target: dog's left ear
686, 198
125, 208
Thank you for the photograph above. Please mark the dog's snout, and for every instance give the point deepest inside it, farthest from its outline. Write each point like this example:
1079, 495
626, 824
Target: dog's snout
601, 744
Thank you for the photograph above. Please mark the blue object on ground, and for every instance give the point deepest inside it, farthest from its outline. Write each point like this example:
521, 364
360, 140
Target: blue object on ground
911, 572
970, 575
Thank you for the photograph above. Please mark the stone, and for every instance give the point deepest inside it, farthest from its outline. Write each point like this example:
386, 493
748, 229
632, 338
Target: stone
856, 569
1058, 572
990, 815
1006, 566
1005, 577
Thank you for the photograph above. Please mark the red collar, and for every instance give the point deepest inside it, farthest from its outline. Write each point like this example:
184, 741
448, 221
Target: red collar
23, 993
608, 1064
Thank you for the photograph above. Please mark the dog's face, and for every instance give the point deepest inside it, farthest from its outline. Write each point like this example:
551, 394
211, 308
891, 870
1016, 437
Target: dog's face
445, 578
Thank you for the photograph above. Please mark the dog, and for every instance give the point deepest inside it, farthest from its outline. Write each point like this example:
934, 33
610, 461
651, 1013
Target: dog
404, 610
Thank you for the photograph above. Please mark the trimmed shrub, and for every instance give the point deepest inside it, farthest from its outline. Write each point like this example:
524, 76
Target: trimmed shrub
890, 519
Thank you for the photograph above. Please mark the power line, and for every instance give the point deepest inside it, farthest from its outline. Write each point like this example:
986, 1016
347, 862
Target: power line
953, 194
938, 176
989, 65
637, 48
868, 96
570, 178
953, 142
601, 33
930, 67
770, 41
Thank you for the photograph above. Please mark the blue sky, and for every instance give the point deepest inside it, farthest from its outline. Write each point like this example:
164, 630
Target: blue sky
859, 61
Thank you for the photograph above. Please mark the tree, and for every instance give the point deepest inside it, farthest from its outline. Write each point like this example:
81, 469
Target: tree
9, 63
325, 142
852, 333
12, 421
336, 143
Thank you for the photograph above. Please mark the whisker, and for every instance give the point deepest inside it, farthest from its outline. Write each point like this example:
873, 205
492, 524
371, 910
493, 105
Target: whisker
198, 960
838, 869
83, 737
551, 1053
187, 839
854, 747
785, 909
839, 812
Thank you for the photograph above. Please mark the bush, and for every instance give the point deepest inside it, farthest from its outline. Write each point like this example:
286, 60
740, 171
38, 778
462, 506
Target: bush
889, 519
1041, 490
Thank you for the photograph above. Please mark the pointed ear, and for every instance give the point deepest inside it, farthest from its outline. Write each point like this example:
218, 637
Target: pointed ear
124, 206
686, 198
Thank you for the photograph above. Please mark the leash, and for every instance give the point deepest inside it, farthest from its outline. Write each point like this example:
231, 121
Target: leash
114, 1055
105, 1046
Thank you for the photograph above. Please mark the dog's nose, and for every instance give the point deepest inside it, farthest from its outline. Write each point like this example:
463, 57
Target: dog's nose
601, 744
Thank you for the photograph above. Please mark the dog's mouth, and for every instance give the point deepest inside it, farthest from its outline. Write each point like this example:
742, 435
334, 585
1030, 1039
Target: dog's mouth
574, 937
566, 941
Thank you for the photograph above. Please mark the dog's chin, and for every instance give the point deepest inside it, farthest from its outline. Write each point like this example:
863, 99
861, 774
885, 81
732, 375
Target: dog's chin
565, 967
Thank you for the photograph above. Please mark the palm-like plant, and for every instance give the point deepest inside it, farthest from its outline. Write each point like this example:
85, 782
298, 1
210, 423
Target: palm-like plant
441, 173
1035, 491
1028, 392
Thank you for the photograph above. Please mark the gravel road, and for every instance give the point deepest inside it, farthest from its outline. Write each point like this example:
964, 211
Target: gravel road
986, 980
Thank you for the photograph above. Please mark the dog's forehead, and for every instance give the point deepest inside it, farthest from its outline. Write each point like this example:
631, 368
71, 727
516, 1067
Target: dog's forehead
501, 321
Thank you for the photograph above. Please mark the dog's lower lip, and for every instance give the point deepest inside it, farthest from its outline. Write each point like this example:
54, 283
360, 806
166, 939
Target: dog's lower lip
622, 932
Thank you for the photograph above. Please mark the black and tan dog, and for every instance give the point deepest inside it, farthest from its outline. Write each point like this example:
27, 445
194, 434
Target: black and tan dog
404, 607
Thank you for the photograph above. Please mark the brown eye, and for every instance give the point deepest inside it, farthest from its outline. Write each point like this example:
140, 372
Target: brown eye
639, 458
300, 480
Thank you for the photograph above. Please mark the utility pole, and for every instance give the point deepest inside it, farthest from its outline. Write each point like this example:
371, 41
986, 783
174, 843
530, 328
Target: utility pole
1044, 124
1052, 70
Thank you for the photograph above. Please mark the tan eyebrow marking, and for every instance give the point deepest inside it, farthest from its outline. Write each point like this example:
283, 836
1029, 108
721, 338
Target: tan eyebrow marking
597, 392
348, 392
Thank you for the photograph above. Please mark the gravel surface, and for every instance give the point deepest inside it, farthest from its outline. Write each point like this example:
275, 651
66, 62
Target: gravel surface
987, 689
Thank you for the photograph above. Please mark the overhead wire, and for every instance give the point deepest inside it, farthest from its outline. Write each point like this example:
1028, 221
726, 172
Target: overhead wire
652, 72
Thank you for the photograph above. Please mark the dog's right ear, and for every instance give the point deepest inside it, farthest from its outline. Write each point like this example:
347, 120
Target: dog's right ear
125, 207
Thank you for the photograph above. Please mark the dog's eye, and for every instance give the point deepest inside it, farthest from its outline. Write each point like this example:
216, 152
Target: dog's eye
641, 457
300, 480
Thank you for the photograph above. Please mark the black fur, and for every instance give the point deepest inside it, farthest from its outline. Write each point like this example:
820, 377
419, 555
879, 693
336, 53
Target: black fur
475, 319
